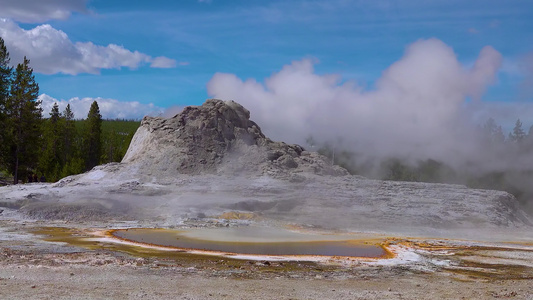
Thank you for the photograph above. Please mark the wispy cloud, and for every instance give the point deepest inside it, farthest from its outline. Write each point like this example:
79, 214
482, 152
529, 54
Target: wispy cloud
163, 62
109, 108
51, 51
31, 11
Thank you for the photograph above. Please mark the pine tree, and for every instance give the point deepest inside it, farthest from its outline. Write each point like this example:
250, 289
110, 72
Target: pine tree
518, 133
528, 140
490, 127
6, 77
74, 161
51, 161
69, 133
499, 136
93, 142
24, 122
493, 133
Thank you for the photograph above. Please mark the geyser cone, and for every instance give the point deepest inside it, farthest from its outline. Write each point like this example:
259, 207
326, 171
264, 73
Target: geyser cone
218, 138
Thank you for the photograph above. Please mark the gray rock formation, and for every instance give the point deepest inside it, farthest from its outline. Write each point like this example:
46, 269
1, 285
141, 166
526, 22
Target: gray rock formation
213, 159
217, 138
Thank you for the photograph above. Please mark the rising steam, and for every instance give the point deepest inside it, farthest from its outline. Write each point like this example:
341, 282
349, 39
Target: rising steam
418, 109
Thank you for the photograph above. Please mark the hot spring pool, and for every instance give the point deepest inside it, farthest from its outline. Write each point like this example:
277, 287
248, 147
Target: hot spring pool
253, 240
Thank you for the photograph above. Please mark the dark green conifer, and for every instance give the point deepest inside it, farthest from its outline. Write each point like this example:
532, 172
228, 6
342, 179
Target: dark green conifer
6, 77
51, 160
93, 143
24, 116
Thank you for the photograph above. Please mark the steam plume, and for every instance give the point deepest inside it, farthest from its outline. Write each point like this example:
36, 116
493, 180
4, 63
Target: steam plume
418, 108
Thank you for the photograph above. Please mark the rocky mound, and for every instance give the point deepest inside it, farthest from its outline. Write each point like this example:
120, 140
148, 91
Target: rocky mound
217, 138
212, 159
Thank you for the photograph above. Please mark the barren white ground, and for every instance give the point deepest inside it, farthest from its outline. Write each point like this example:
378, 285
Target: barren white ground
451, 241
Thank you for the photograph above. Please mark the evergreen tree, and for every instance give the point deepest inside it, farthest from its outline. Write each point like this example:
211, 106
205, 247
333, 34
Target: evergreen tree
528, 140
93, 142
490, 127
24, 115
69, 133
54, 114
518, 133
493, 133
74, 162
6, 77
499, 136
51, 160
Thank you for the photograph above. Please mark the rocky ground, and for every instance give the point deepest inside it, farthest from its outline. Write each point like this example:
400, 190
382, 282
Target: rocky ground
115, 281
55, 260
342, 202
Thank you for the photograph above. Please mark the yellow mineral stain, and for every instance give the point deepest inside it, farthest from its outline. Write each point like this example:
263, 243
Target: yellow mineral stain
233, 215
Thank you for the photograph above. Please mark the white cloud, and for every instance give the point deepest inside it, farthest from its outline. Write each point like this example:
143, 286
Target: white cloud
31, 11
417, 109
51, 51
109, 108
163, 62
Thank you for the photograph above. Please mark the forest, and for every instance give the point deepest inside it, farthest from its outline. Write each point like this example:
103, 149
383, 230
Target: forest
37, 147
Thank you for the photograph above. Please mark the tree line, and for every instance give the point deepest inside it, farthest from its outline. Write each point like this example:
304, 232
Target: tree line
504, 162
33, 148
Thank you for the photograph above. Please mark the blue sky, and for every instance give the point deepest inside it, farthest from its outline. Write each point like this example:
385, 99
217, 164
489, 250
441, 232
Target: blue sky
168, 51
